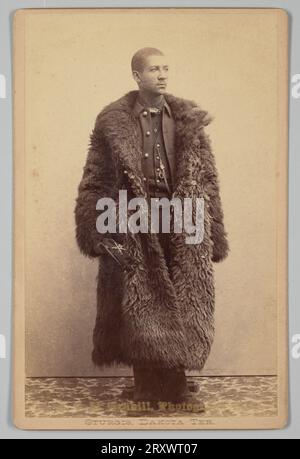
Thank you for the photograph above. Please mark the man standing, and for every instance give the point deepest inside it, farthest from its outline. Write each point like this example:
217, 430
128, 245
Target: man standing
155, 303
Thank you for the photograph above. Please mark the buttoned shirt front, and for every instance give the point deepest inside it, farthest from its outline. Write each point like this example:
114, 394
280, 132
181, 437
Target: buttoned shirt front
157, 140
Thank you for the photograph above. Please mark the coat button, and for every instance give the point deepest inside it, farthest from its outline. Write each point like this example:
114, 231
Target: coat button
145, 178
147, 133
146, 155
125, 171
158, 145
145, 113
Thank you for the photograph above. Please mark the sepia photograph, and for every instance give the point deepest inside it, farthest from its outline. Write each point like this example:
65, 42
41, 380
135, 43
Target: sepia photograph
150, 218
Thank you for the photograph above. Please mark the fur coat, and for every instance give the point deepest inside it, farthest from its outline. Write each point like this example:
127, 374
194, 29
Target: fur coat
144, 311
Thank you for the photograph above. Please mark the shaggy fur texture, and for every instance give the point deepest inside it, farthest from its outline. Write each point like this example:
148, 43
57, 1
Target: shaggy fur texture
145, 311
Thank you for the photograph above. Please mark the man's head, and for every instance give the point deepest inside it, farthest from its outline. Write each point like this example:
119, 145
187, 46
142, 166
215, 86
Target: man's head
150, 70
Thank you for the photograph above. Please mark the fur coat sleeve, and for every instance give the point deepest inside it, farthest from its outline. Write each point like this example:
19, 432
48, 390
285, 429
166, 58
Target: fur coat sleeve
211, 182
98, 180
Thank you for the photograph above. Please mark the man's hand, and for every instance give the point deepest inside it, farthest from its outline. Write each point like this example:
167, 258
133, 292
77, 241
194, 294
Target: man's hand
114, 249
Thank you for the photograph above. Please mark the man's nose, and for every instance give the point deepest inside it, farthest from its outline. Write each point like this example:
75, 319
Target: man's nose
162, 76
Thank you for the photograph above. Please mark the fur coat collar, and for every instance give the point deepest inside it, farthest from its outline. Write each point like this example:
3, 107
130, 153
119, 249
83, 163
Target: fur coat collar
120, 126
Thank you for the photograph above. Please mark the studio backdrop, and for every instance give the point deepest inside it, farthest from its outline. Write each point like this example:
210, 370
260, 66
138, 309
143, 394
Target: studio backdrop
75, 65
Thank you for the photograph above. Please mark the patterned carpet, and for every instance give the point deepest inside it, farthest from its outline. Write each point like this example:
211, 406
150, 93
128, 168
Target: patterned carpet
96, 397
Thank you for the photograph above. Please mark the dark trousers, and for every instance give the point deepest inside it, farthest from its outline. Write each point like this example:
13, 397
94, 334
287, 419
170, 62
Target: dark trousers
152, 383
159, 384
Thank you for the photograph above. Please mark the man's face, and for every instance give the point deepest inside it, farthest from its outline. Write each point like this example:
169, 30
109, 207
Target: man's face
154, 76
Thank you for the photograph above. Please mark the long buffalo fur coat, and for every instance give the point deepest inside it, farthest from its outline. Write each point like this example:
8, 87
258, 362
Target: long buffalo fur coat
145, 312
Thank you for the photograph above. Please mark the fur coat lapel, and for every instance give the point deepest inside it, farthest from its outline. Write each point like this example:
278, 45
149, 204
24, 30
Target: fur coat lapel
121, 131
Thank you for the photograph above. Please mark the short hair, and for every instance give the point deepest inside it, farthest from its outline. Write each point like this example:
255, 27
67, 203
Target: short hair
138, 59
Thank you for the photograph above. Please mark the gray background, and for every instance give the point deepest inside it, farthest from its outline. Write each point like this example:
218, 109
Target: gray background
7, 430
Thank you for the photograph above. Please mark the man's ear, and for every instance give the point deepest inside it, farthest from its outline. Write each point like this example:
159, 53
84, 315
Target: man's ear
136, 76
